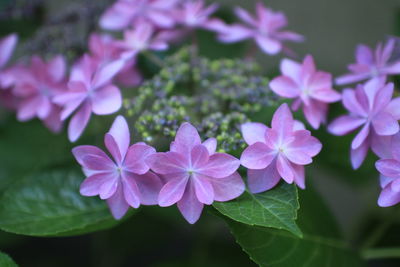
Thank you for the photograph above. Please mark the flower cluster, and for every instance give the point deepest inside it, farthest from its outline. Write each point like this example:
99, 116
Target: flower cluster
192, 174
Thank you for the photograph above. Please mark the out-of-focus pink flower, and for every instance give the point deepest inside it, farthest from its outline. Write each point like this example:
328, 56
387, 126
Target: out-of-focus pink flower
106, 49
7, 76
279, 151
194, 14
36, 87
7, 46
370, 64
390, 175
265, 28
311, 89
195, 174
125, 13
124, 181
370, 106
141, 38
90, 90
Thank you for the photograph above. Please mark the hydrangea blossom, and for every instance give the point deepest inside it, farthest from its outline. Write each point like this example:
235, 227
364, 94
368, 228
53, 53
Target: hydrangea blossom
90, 90
36, 88
390, 175
370, 106
195, 174
265, 28
125, 13
279, 151
311, 89
194, 14
370, 64
105, 49
124, 181
142, 38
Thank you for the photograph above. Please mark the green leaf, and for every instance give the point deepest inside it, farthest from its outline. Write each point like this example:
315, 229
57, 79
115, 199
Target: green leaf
49, 204
6, 261
276, 208
321, 244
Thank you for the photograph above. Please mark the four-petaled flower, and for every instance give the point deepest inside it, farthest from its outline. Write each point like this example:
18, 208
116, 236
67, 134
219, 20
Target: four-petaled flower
195, 174
311, 89
371, 106
126, 180
90, 90
279, 151
370, 65
390, 175
266, 29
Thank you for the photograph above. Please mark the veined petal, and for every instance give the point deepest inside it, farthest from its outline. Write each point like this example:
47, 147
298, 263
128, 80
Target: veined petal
110, 186
91, 185
228, 188
299, 177
199, 156
149, 185
172, 191
282, 120
80, 152
131, 191
219, 165
167, 162
257, 156
186, 138
189, 205
285, 169
253, 132
135, 160
117, 203
211, 145
203, 189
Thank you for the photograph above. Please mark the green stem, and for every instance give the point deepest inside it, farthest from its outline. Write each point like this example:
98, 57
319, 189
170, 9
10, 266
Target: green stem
381, 253
376, 235
154, 59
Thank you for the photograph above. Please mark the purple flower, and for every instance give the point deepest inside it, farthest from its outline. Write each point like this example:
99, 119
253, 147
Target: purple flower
105, 49
311, 89
370, 64
141, 38
390, 175
90, 90
194, 14
7, 46
124, 181
195, 174
125, 13
370, 106
279, 151
265, 28
36, 87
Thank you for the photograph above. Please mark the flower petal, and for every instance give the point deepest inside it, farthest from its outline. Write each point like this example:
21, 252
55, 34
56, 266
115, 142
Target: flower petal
220, 165
351, 103
110, 186
186, 138
263, 180
361, 136
257, 156
189, 205
106, 100
167, 162
268, 45
388, 197
7, 45
105, 74
285, 87
385, 124
79, 122
228, 188
291, 69
299, 176
117, 203
91, 185
135, 160
199, 156
285, 169
131, 191
388, 167
211, 145
149, 185
172, 191
345, 124
282, 120
118, 138
358, 155
203, 189
253, 132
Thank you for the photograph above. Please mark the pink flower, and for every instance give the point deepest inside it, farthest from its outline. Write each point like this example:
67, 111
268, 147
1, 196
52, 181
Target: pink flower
390, 175
140, 39
370, 64
124, 181
310, 88
36, 87
7, 46
195, 175
265, 28
194, 14
125, 13
90, 90
105, 49
370, 106
279, 151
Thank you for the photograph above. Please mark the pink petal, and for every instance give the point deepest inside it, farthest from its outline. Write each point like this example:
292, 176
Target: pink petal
268, 45
211, 145
388, 167
232, 33
167, 162
91, 185
118, 138
263, 180
308, 66
395, 146
298, 156
98, 163
131, 191
135, 160
315, 113
105, 74
388, 197
110, 186
114, 20
299, 176
149, 186
7, 45
351, 102
117, 203
306, 143
199, 156
351, 78
381, 145
285, 87
345, 124
203, 189
360, 137
189, 205
28, 108
285, 169
395, 185
394, 108
383, 97
253, 132
245, 16
80, 152
186, 138
172, 191
282, 121
393, 69
79, 121
228, 188
220, 165
257, 156
385, 124
384, 180
320, 80
106, 100
291, 69
57, 68
358, 155
364, 55
326, 95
